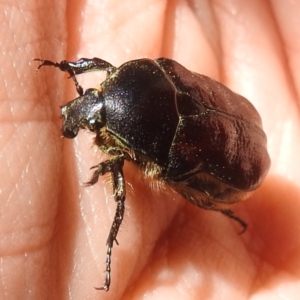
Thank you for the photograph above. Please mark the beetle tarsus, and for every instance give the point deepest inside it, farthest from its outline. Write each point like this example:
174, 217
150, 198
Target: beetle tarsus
106, 285
63, 66
45, 62
229, 214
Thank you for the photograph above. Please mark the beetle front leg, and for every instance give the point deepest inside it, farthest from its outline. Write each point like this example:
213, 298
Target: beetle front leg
115, 166
82, 65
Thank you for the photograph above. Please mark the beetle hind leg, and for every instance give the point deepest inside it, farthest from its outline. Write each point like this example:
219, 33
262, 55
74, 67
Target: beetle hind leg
229, 214
204, 199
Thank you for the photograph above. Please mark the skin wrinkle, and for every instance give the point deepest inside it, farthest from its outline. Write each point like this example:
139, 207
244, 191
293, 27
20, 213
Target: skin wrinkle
284, 54
288, 22
286, 61
209, 24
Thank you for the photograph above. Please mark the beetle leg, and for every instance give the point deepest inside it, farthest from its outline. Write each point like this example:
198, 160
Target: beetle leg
103, 168
115, 166
229, 214
207, 202
82, 65
65, 67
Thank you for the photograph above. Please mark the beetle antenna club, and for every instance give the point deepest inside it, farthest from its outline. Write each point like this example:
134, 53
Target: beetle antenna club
196, 135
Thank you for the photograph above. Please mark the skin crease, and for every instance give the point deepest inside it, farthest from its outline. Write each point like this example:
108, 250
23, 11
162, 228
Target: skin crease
53, 230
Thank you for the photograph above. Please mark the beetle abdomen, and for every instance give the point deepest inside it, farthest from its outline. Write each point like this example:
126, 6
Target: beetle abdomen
219, 132
228, 149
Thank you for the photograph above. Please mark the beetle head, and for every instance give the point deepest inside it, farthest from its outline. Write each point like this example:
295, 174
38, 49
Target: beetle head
86, 111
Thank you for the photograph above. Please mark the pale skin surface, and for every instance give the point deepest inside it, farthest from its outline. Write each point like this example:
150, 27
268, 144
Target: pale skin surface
53, 230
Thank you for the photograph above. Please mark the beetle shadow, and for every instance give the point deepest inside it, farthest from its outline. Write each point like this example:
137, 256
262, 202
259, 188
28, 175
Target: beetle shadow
203, 251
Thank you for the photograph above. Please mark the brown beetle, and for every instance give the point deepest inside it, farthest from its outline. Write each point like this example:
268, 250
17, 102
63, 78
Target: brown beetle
184, 129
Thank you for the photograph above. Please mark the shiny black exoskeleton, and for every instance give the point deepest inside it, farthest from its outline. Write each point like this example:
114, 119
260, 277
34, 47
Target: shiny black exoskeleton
181, 128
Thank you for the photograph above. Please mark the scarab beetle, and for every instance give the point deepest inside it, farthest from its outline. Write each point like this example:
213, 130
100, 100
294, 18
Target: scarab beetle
182, 128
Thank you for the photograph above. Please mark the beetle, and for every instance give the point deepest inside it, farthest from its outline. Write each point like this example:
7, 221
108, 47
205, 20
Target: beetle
179, 127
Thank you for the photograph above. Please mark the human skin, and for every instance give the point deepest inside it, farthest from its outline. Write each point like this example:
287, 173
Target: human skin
53, 229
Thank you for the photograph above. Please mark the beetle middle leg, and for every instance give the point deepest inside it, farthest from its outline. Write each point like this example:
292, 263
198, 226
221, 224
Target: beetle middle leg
115, 166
